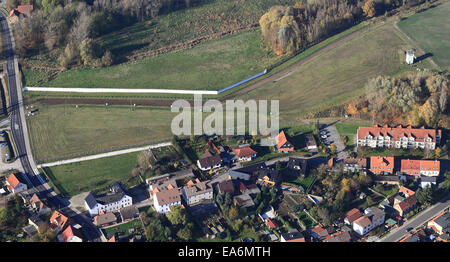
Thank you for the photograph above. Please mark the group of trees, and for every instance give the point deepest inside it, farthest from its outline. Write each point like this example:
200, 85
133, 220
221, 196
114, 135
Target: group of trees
287, 29
422, 98
162, 228
340, 185
12, 218
70, 26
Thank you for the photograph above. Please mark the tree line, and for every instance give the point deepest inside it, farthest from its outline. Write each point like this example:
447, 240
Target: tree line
287, 29
419, 97
71, 26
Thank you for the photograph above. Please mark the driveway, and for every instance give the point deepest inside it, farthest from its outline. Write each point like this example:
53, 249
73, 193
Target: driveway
334, 138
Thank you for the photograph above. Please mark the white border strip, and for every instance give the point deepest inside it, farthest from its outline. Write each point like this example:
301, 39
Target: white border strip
113, 153
117, 90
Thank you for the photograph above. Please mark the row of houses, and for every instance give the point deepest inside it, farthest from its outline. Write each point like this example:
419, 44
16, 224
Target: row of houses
382, 165
65, 228
166, 193
398, 137
238, 153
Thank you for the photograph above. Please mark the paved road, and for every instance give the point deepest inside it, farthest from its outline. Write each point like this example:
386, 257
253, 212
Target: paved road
20, 138
417, 221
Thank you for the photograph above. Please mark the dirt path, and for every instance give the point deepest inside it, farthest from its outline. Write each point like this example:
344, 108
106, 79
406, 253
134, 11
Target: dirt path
168, 102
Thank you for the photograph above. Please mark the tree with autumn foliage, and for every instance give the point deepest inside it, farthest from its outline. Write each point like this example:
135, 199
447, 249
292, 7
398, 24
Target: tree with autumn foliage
438, 152
369, 9
351, 109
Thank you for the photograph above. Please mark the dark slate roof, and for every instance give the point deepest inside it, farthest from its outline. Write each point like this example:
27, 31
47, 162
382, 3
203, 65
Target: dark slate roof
109, 198
210, 161
297, 166
129, 212
250, 169
117, 187
444, 221
292, 236
431, 179
272, 174
90, 200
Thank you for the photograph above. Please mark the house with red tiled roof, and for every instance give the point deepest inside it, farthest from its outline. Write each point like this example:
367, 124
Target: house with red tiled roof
283, 144
398, 137
406, 191
38, 206
21, 10
372, 218
352, 215
244, 153
59, 222
362, 225
419, 168
272, 224
15, 183
406, 206
381, 165
319, 233
71, 234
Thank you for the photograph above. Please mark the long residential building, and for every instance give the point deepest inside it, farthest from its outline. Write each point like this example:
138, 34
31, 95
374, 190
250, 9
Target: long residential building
419, 168
113, 201
398, 137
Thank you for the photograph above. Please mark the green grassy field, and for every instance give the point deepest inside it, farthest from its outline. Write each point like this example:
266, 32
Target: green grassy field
430, 29
60, 130
97, 174
211, 65
338, 75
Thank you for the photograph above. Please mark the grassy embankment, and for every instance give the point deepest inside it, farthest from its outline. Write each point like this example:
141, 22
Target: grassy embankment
430, 30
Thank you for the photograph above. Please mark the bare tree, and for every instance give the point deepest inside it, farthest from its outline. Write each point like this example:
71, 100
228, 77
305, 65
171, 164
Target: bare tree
79, 30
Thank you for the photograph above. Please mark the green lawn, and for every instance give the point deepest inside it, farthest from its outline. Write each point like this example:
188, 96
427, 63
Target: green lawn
97, 174
430, 30
337, 75
59, 130
307, 221
123, 228
211, 65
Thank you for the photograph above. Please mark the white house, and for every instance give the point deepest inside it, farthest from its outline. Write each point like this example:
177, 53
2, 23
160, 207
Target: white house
15, 183
113, 201
398, 137
410, 56
71, 234
426, 181
244, 153
209, 162
373, 218
165, 199
194, 193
